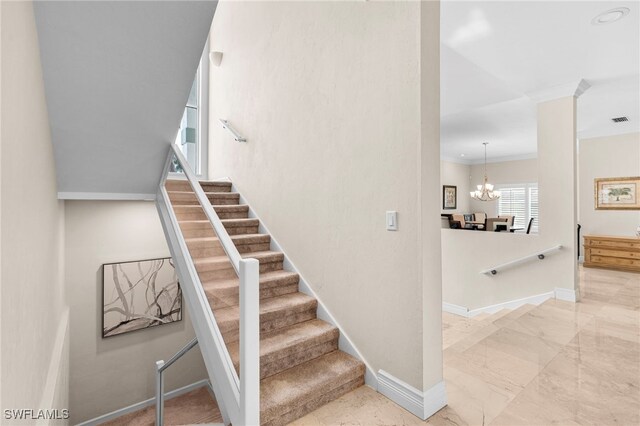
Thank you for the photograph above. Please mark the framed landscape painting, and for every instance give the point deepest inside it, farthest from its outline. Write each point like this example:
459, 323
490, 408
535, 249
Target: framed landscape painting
139, 295
621, 193
449, 197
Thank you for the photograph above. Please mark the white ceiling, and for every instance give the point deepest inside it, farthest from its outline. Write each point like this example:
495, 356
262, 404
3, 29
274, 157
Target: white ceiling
117, 76
494, 53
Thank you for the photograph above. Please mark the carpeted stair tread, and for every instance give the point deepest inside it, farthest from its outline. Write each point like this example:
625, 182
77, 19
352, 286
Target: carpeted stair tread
275, 313
290, 346
222, 293
230, 223
237, 239
261, 256
268, 260
196, 208
300, 386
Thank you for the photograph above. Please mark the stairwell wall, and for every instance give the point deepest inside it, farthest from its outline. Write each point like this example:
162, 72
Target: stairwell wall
113, 373
328, 95
33, 312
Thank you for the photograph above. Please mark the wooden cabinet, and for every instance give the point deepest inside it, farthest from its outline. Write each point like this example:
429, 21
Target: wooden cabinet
601, 251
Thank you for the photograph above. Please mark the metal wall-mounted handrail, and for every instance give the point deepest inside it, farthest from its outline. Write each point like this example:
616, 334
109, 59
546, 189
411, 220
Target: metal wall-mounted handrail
538, 255
233, 131
238, 398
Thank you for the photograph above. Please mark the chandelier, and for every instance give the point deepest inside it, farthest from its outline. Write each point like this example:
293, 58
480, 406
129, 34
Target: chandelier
485, 191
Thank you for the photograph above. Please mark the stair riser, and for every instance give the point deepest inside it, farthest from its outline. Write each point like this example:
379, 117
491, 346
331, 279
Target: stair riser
215, 187
232, 214
192, 202
241, 230
315, 403
198, 253
220, 299
224, 200
177, 185
230, 332
198, 233
192, 215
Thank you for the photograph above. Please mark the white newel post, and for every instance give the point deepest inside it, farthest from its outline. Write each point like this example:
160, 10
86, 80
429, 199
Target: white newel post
250, 341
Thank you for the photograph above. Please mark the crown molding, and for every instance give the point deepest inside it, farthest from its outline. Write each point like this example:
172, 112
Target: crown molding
575, 89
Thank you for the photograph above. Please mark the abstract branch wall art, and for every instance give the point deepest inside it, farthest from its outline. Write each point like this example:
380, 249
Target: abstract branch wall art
138, 295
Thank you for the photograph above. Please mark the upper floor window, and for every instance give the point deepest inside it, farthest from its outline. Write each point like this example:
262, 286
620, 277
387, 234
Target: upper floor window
192, 137
188, 137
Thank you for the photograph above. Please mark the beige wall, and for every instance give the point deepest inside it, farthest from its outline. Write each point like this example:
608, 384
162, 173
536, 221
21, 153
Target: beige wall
502, 172
612, 156
109, 374
328, 96
459, 175
34, 307
466, 253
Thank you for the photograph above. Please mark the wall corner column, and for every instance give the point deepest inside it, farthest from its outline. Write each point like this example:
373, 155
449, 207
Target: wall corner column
434, 392
557, 178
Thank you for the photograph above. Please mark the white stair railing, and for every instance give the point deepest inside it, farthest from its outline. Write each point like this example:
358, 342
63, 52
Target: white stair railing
538, 255
238, 399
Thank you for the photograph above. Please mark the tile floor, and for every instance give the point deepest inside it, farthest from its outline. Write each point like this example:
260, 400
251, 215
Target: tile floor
555, 364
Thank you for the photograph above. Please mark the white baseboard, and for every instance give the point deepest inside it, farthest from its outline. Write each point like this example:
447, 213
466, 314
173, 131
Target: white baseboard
492, 309
566, 294
344, 341
146, 403
434, 399
420, 404
455, 309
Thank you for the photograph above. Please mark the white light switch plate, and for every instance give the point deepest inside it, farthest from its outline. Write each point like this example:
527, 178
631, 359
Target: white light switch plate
392, 221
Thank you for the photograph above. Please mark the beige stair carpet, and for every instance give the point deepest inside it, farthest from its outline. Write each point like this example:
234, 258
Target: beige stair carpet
301, 367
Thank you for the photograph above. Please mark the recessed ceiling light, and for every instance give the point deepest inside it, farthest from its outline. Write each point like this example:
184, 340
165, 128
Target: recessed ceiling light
610, 16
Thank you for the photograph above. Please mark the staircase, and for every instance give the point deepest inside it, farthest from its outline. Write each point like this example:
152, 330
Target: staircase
301, 367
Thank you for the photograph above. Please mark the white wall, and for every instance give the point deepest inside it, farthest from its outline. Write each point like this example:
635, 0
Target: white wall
34, 311
612, 156
459, 175
331, 99
109, 374
503, 172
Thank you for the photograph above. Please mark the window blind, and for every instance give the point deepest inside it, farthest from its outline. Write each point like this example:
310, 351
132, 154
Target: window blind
521, 201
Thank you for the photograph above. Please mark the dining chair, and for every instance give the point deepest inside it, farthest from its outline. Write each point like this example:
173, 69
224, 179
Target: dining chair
529, 226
